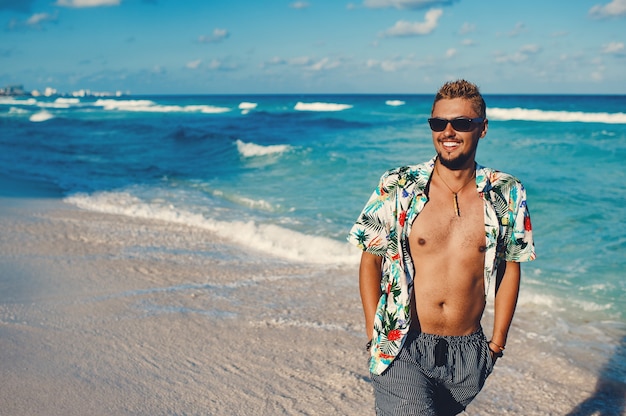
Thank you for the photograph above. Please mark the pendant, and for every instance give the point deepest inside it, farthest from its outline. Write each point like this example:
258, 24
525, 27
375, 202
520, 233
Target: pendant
456, 205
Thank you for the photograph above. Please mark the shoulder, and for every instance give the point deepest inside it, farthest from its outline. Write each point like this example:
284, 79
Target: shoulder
500, 181
407, 175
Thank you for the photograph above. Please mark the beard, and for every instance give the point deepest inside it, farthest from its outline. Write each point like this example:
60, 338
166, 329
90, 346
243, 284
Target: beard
459, 162
456, 163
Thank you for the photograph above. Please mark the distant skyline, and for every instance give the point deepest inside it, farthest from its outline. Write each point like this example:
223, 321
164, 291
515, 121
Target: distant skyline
314, 46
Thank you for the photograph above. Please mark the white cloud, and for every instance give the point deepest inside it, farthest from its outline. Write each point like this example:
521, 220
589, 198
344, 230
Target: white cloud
324, 64
193, 64
387, 66
450, 53
87, 3
404, 4
615, 8
217, 36
530, 48
39, 18
575, 57
305, 62
300, 61
467, 28
158, 70
517, 30
299, 5
468, 42
522, 55
613, 48
217, 65
36, 21
275, 61
391, 65
598, 74
404, 28
515, 58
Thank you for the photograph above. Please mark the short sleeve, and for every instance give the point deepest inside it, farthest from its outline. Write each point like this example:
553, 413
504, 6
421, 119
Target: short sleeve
520, 246
371, 230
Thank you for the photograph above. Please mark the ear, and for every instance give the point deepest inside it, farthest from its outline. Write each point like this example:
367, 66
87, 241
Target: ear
485, 127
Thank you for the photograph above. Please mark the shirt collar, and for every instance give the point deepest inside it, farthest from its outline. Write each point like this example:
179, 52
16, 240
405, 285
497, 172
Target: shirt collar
483, 182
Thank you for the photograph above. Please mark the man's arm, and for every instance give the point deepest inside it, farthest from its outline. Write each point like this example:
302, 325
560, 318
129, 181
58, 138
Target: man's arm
369, 286
507, 291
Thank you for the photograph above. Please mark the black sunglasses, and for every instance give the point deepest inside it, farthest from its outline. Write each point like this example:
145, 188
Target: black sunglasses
458, 124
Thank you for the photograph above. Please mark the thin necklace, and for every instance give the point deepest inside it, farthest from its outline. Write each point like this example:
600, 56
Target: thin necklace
455, 194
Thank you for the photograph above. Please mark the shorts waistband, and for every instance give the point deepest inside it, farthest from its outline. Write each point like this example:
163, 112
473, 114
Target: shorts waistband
477, 335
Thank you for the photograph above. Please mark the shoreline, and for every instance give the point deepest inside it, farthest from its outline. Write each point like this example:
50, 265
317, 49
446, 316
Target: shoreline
102, 314
105, 314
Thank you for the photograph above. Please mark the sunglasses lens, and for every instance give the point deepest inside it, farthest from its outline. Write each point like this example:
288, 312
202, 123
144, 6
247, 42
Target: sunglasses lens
458, 124
461, 124
438, 124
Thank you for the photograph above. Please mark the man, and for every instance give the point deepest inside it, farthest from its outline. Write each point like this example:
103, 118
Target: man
434, 237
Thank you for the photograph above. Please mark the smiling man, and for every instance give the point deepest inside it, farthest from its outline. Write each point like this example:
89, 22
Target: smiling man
434, 237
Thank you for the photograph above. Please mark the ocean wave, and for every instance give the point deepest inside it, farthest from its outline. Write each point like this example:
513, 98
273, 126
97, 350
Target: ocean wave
17, 111
234, 197
395, 103
41, 116
555, 116
245, 107
55, 104
253, 149
268, 238
148, 106
63, 100
58, 103
300, 106
14, 101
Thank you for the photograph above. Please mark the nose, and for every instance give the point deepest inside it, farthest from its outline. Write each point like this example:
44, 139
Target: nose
449, 131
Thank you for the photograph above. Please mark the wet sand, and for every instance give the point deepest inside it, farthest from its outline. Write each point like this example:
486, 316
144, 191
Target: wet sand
110, 315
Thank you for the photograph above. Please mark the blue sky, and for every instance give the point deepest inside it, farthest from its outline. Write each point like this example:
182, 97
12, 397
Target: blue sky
313, 46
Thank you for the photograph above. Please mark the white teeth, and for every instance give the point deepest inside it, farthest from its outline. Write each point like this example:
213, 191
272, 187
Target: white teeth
450, 144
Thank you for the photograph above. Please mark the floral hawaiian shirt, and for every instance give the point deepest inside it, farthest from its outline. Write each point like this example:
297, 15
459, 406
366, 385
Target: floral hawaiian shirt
383, 229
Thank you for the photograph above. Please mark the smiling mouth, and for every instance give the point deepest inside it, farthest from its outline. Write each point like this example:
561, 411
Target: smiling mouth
450, 145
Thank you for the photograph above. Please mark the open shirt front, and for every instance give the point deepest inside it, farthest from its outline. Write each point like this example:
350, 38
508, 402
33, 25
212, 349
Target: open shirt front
383, 229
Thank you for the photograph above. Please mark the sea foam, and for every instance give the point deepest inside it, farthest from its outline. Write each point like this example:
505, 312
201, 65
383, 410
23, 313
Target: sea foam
252, 149
268, 238
14, 101
149, 106
246, 107
558, 116
63, 100
43, 115
317, 106
17, 111
395, 103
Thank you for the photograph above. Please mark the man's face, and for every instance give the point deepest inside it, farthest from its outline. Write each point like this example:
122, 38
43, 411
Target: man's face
457, 149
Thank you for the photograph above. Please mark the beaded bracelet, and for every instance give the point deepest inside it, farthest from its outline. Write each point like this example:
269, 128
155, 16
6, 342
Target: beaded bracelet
368, 345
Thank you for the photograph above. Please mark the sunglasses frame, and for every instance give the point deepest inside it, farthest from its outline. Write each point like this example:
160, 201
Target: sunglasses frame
470, 126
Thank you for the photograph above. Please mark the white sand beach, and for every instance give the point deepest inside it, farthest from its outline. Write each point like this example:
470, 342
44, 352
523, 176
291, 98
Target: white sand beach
109, 315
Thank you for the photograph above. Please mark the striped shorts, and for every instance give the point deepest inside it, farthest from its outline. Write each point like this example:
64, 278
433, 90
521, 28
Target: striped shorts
433, 375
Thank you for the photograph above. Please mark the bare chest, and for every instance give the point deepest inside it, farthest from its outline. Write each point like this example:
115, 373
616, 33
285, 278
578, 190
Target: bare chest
439, 228
448, 252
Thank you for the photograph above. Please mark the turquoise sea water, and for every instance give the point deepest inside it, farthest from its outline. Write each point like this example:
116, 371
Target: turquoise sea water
288, 174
